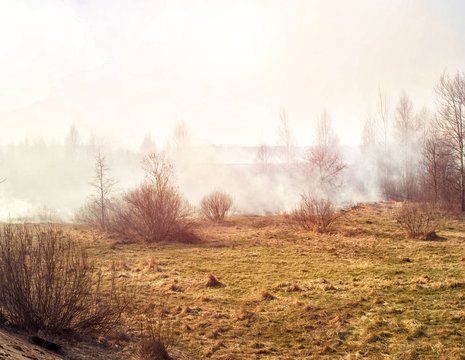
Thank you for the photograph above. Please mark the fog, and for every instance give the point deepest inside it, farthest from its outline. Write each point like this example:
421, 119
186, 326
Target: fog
50, 181
82, 77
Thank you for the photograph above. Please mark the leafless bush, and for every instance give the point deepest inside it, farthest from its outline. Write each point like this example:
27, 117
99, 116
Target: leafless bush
418, 219
316, 214
89, 214
47, 283
155, 211
214, 206
152, 215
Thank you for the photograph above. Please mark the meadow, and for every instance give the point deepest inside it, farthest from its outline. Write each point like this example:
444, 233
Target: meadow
363, 290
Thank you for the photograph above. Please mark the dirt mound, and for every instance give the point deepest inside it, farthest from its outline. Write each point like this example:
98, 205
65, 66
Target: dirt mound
212, 282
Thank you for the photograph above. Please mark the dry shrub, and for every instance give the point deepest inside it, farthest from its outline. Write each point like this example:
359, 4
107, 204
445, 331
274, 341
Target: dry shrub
47, 283
152, 214
155, 211
418, 219
90, 213
215, 206
316, 214
151, 347
157, 336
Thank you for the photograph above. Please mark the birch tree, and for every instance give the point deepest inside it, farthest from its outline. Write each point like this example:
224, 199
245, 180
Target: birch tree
450, 122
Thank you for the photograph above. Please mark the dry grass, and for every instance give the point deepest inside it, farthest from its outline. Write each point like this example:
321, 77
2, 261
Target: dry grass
364, 292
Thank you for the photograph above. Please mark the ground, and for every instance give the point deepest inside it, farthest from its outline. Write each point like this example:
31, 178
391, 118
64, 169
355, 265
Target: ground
17, 347
362, 291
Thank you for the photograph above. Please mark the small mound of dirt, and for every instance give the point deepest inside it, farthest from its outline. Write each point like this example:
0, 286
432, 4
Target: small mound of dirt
212, 282
265, 295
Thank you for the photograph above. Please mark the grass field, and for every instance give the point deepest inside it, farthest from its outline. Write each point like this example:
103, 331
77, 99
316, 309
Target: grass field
362, 291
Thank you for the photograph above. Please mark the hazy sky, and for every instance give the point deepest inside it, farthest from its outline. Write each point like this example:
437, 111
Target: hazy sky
121, 68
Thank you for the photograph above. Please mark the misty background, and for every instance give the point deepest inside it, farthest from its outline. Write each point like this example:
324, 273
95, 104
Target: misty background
119, 77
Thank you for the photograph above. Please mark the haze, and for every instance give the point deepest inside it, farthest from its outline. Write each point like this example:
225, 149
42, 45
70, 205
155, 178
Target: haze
120, 69
213, 83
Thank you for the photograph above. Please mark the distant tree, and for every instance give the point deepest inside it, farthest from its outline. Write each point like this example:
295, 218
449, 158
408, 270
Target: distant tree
425, 123
286, 139
439, 170
383, 119
72, 139
370, 132
147, 145
263, 157
324, 159
104, 187
179, 146
405, 121
450, 122
180, 134
383, 114
407, 126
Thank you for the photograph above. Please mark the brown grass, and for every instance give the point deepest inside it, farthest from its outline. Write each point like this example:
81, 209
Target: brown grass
372, 294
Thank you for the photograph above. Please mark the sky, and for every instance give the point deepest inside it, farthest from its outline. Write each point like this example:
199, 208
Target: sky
122, 68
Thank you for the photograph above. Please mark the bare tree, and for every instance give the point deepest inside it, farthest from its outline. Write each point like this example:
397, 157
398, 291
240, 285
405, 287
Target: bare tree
439, 170
286, 139
405, 122
147, 145
451, 120
263, 157
159, 171
104, 187
407, 127
72, 140
180, 134
383, 113
370, 132
383, 116
179, 148
324, 158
